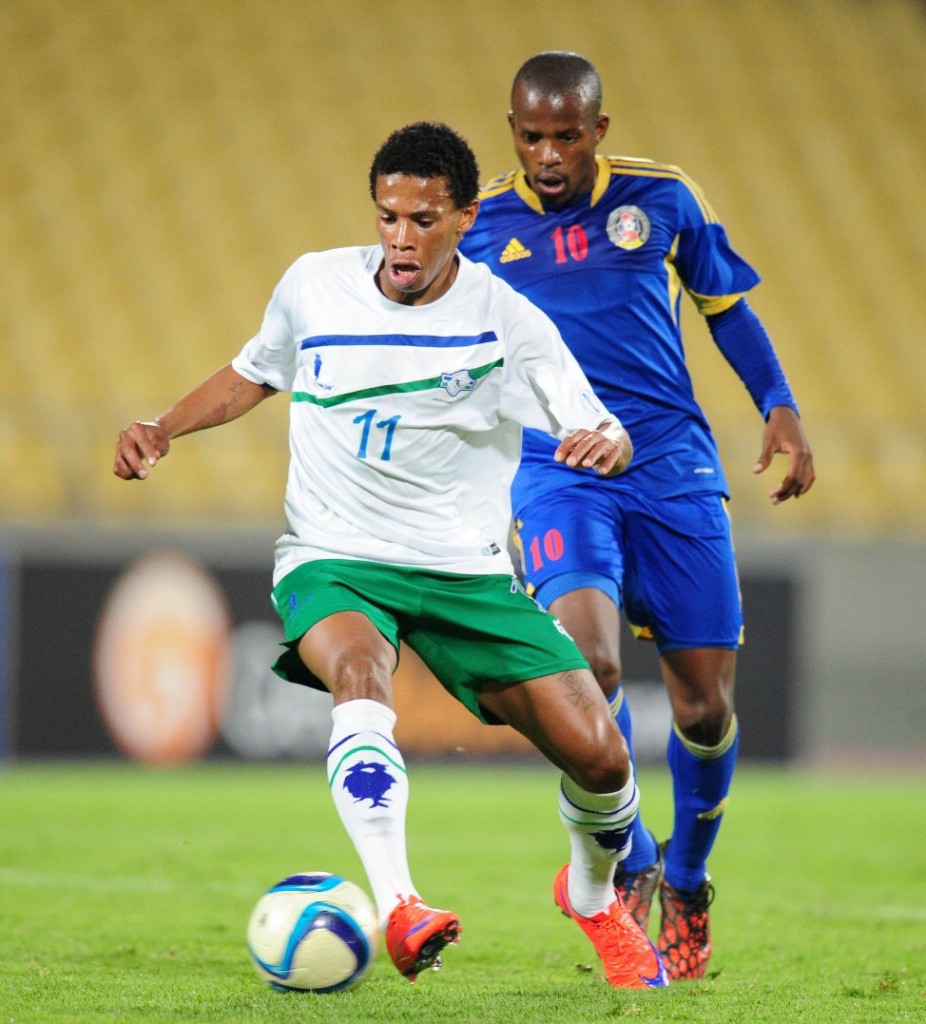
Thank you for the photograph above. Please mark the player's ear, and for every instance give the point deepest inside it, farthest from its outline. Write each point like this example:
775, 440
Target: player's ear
468, 216
601, 127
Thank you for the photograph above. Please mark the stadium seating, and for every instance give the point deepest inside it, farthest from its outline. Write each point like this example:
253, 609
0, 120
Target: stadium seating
162, 163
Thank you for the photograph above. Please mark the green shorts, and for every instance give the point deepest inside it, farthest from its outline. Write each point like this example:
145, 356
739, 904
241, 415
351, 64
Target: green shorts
468, 630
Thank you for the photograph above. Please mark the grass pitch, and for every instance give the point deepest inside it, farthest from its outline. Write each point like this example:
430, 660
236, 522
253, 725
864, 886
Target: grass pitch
125, 891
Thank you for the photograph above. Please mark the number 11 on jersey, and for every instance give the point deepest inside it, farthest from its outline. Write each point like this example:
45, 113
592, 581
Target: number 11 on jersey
388, 426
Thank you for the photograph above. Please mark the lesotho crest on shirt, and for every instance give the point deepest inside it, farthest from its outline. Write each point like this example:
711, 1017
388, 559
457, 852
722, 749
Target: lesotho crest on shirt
628, 227
458, 382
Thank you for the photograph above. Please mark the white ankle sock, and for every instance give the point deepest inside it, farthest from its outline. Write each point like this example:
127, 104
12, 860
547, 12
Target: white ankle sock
599, 826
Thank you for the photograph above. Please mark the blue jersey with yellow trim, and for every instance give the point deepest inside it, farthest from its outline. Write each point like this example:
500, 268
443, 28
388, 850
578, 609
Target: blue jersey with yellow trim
609, 268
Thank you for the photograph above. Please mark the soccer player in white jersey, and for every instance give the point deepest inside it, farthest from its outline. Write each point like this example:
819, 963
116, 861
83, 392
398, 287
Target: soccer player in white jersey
412, 372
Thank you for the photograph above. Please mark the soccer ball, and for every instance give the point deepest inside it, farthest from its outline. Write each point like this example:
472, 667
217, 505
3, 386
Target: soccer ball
314, 932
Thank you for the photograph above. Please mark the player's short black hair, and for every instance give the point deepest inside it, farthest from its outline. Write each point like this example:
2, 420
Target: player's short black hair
561, 73
429, 149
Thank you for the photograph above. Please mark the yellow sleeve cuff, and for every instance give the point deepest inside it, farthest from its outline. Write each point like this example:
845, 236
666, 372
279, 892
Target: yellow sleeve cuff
710, 305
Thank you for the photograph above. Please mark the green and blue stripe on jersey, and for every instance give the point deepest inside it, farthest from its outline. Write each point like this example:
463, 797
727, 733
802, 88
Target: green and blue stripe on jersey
427, 347
400, 387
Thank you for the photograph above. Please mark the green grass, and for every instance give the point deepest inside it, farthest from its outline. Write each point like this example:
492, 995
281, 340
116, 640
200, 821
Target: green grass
124, 894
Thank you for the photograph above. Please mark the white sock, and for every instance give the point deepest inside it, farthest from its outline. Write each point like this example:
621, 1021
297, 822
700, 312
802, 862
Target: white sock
599, 826
369, 785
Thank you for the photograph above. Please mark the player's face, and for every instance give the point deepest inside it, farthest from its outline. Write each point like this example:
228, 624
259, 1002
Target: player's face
419, 227
555, 138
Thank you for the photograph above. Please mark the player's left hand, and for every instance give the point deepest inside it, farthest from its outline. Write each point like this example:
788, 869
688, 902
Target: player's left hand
784, 434
607, 450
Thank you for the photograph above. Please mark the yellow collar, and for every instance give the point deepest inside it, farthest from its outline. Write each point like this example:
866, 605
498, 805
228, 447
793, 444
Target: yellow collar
530, 197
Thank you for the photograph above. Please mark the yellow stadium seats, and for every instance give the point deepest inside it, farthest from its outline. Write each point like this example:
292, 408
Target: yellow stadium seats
162, 163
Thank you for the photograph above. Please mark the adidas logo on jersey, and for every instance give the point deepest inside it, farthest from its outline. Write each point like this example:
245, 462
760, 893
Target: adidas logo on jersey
514, 251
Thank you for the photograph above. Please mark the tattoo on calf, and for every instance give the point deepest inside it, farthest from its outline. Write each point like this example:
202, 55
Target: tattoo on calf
576, 690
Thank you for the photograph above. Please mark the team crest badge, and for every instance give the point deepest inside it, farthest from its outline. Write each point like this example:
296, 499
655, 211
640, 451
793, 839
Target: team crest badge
628, 227
458, 382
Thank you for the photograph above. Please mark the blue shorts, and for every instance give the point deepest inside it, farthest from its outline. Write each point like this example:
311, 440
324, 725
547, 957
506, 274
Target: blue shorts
668, 563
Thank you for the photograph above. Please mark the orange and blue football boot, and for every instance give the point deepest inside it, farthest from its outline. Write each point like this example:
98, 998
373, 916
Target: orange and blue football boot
629, 959
415, 935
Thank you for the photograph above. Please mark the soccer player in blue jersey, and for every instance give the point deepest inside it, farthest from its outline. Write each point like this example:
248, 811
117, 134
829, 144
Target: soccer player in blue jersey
605, 245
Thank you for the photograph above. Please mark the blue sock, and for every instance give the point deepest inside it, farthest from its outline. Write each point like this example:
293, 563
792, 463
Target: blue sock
643, 851
701, 778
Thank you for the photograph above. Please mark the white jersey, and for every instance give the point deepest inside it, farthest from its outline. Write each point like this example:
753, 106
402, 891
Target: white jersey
405, 423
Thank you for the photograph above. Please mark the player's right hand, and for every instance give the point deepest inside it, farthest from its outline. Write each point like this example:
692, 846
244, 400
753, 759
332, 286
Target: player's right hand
138, 449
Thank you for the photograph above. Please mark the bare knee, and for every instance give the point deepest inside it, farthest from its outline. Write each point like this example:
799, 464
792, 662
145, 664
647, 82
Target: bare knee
704, 713
604, 769
360, 676
704, 722
565, 716
351, 657
352, 672
700, 685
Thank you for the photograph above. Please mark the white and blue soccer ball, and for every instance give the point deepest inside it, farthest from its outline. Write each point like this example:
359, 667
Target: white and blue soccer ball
313, 932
